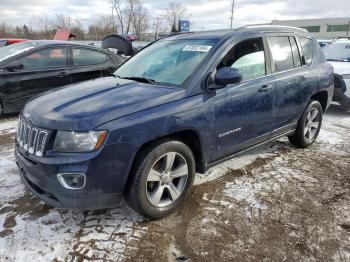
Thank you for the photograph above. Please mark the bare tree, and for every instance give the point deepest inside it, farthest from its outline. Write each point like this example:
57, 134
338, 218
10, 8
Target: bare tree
119, 9
156, 24
124, 10
60, 21
140, 20
43, 25
102, 27
132, 6
173, 13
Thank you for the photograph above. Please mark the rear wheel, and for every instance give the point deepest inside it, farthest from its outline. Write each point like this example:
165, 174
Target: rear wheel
309, 126
162, 179
1, 109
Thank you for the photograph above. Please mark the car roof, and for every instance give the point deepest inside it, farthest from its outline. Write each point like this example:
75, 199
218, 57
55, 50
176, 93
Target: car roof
43, 43
222, 34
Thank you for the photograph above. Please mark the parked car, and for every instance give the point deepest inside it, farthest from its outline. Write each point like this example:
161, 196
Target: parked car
179, 106
32, 67
338, 54
10, 41
324, 43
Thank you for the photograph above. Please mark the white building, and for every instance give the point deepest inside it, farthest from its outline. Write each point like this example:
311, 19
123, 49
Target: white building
324, 28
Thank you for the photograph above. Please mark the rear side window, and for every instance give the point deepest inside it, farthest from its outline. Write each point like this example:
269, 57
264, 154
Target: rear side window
83, 57
308, 49
281, 53
295, 50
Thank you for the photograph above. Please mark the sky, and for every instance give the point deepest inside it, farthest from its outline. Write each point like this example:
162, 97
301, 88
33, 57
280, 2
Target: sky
203, 14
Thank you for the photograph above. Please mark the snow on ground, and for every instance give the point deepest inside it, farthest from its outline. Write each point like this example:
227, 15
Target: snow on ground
8, 126
235, 205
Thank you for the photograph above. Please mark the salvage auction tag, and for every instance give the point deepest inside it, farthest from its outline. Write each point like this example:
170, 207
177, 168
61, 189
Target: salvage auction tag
197, 48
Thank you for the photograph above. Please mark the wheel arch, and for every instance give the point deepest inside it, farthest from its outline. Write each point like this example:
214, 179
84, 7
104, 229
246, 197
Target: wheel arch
189, 137
321, 97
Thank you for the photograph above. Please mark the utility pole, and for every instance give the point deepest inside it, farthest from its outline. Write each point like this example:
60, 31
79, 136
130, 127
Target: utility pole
232, 11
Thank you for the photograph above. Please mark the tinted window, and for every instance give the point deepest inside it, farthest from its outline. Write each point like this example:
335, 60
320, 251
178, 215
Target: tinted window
295, 50
47, 58
308, 49
16, 49
88, 57
281, 53
247, 56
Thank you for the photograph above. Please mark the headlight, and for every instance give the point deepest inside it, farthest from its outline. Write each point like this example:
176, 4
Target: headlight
75, 142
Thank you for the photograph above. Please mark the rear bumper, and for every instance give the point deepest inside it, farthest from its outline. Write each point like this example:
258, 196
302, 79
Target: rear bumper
42, 183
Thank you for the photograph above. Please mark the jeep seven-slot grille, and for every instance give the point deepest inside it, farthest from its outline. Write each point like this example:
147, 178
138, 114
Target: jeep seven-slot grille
30, 138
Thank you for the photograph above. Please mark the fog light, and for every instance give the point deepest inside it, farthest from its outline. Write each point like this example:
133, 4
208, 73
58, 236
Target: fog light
73, 181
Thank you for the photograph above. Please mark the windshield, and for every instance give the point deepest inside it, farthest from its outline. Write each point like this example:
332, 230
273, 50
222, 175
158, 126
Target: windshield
12, 50
338, 52
166, 62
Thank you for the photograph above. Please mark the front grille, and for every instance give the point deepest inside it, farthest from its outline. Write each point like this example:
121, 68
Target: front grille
30, 138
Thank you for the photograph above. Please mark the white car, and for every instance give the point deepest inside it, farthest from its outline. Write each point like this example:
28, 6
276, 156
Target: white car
338, 54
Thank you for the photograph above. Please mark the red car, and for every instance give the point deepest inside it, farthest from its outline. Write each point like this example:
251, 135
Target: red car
10, 41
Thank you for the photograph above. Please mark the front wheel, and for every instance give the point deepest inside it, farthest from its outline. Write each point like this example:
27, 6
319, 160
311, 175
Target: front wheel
309, 126
161, 180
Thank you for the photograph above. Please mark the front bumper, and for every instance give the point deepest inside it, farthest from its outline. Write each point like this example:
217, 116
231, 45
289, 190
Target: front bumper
41, 180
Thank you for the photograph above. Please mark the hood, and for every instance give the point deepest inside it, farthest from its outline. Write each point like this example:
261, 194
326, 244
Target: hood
340, 68
87, 105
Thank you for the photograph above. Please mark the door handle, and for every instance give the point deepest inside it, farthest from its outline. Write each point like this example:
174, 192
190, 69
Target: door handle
265, 88
63, 74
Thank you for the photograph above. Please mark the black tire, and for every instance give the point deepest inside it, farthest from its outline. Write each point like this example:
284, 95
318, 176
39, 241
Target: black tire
300, 139
137, 193
1, 108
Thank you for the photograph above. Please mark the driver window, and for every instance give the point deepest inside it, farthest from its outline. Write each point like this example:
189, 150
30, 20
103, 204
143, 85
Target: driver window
247, 56
48, 58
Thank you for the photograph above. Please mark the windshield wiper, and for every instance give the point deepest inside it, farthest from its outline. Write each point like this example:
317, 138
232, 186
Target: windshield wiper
141, 79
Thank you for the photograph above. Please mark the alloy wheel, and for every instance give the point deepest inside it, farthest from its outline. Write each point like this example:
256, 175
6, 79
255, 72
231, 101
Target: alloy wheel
167, 179
312, 124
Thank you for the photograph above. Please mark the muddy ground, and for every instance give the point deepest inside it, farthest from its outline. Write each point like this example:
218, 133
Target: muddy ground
275, 203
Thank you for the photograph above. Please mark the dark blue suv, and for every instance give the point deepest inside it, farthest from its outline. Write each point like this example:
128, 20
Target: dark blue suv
180, 106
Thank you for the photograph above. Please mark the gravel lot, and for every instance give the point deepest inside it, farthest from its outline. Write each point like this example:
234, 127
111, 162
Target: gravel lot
275, 203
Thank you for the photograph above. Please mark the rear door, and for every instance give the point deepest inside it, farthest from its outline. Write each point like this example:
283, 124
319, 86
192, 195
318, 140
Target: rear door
89, 64
290, 81
243, 112
42, 70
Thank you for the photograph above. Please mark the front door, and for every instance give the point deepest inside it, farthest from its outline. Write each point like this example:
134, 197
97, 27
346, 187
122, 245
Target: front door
42, 70
243, 113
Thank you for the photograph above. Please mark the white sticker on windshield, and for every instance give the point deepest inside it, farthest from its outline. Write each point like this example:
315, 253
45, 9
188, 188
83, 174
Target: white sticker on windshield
197, 48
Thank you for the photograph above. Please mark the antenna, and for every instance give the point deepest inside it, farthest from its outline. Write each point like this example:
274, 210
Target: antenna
232, 11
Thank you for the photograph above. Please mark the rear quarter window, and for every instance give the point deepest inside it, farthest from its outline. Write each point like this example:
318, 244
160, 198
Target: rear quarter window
308, 48
84, 57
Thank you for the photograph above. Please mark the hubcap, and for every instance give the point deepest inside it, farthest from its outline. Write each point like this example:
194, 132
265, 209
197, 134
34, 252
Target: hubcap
312, 124
167, 179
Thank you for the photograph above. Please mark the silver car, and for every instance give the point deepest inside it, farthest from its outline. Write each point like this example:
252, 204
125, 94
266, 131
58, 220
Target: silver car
338, 54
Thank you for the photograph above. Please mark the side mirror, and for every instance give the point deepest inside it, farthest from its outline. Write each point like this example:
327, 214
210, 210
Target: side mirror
227, 76
13, 66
